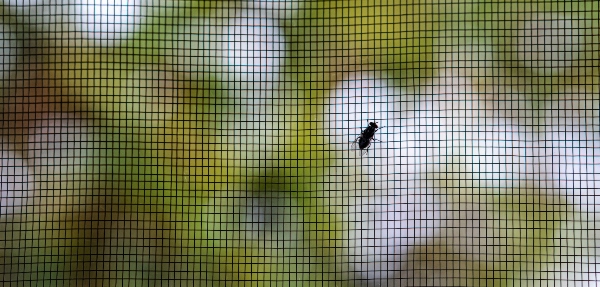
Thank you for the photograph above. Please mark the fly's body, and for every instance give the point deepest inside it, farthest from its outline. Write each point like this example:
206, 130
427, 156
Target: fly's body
366, 137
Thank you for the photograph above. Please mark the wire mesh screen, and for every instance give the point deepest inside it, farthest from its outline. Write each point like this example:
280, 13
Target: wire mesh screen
299, 143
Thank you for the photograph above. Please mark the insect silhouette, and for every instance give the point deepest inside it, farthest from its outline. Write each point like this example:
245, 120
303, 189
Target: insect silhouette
366, 137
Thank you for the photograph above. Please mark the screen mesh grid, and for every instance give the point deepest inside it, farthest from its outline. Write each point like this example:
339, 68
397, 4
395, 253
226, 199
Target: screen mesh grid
299, 143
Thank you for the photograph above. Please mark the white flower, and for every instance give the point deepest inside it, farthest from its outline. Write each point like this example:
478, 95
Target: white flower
102, 22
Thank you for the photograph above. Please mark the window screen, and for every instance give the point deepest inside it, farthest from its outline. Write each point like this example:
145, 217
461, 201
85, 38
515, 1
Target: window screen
299, 143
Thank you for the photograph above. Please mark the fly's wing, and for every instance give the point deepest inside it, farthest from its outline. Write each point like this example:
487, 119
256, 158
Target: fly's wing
356, 145
353, 145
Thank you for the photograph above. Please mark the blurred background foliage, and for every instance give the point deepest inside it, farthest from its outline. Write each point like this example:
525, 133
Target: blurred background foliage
183, 142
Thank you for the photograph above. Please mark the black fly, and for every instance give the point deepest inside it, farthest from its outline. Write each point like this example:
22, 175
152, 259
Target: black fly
365, 138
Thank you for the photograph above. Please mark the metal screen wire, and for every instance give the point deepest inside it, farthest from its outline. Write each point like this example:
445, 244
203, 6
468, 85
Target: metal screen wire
299, 143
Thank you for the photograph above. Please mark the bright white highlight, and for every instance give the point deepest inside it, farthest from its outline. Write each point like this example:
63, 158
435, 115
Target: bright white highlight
246, 52
102, 22
392, 212
573, 149
276, 8
109, 20
549, 44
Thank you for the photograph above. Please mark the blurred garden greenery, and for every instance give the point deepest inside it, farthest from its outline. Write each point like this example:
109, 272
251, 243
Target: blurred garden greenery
188, 145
